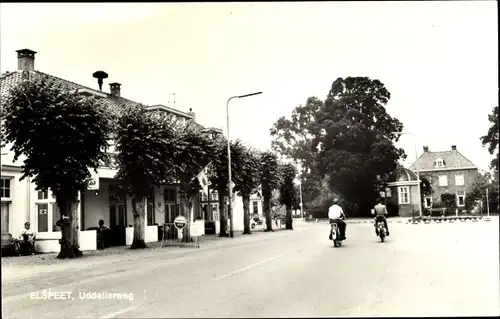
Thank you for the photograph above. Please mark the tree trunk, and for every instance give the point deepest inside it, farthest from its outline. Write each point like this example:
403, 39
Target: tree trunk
138, 207
68, 223
246, 215
289, 218
186, 232
267, 212
222, 215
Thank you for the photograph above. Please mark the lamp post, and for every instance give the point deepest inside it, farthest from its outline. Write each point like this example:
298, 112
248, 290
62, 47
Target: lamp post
416, 169
230, 188
300, 195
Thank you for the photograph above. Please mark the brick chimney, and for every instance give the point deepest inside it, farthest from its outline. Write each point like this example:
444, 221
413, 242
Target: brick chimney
426, 149
453, 147
115, 89
26, 59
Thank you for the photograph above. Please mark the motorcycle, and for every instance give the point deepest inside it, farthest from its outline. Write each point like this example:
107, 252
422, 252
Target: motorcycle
381, 231
335, 235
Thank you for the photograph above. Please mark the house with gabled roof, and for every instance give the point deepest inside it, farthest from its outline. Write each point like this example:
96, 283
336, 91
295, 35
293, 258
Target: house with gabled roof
448, 171
21, 203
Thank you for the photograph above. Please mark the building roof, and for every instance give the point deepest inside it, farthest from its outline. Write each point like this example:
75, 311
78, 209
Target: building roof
402, 174
452, 159
115, 104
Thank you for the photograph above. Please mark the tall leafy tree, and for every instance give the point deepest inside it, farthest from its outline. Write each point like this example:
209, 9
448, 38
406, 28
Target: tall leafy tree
61, 135
491, 140
292, 139
248, 182
288, 193
220, 176
478, 192
145, 151
270, 180
354, 138
194, 150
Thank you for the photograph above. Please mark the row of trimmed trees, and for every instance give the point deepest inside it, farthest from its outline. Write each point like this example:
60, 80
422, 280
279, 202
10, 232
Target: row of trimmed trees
60, 135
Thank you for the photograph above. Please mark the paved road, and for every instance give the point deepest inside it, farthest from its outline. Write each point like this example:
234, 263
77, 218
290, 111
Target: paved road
422, 270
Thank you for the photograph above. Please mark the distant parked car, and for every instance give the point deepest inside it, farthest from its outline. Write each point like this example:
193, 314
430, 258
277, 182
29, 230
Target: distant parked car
256, 220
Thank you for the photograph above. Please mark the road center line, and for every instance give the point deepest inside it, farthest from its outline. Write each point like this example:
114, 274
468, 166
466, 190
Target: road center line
250, 266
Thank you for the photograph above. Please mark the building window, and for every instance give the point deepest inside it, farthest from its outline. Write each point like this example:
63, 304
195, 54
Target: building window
215, 211
461, 198
150, 201
203, 196
439, 162
459, 180
43, 195
5, 218
169, 195
5, 187
404, 196
255, 208
214, 196
428, 202
116, 194
443, 180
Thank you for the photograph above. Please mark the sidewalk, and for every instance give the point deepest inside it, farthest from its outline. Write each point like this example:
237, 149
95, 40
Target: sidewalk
25, 266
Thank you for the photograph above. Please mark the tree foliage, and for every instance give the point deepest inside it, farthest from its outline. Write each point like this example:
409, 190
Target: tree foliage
220, 175
270, 181
478, 192
491, 139
347, 141
248, 181
425, 186
145, 151
288, 191
194, 151
292, 139
354, 135
61, 134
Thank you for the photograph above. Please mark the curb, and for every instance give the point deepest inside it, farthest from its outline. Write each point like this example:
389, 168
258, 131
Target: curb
449, 220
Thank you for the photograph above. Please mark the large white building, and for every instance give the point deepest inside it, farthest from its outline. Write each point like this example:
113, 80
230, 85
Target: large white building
21, 203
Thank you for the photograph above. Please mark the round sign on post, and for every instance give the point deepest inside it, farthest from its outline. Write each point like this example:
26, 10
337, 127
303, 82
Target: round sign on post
180, 222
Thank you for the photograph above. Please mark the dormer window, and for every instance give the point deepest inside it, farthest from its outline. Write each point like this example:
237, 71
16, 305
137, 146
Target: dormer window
439, 162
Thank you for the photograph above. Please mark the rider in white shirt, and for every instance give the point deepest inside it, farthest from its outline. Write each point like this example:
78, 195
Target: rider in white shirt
335, 214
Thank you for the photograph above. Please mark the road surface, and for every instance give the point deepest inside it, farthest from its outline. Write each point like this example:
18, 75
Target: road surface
421, 270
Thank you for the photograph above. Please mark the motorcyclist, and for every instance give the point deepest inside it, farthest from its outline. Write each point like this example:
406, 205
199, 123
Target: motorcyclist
380, 211
335, 214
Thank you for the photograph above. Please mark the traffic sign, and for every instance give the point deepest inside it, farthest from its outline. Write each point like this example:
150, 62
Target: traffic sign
180, 222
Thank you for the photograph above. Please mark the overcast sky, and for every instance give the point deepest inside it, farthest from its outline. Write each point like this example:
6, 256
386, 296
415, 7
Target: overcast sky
439, 60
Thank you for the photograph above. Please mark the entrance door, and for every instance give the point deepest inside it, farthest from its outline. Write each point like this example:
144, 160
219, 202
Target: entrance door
117, 223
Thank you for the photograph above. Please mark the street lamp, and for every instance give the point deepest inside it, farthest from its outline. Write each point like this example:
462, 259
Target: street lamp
230, 188
416, 168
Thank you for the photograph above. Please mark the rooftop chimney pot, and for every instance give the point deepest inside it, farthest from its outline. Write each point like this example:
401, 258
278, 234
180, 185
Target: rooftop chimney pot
26, 59
426, 149
115, 89
453, 147
99, 75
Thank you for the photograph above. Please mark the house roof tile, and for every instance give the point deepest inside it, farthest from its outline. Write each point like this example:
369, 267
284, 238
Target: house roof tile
452, 159
115, 104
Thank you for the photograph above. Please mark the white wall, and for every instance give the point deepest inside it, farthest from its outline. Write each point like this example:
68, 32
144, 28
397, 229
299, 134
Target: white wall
238, 215
48, 242
18, 202
150, 236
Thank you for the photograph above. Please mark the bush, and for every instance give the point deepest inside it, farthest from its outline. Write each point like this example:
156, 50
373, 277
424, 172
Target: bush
449, 202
